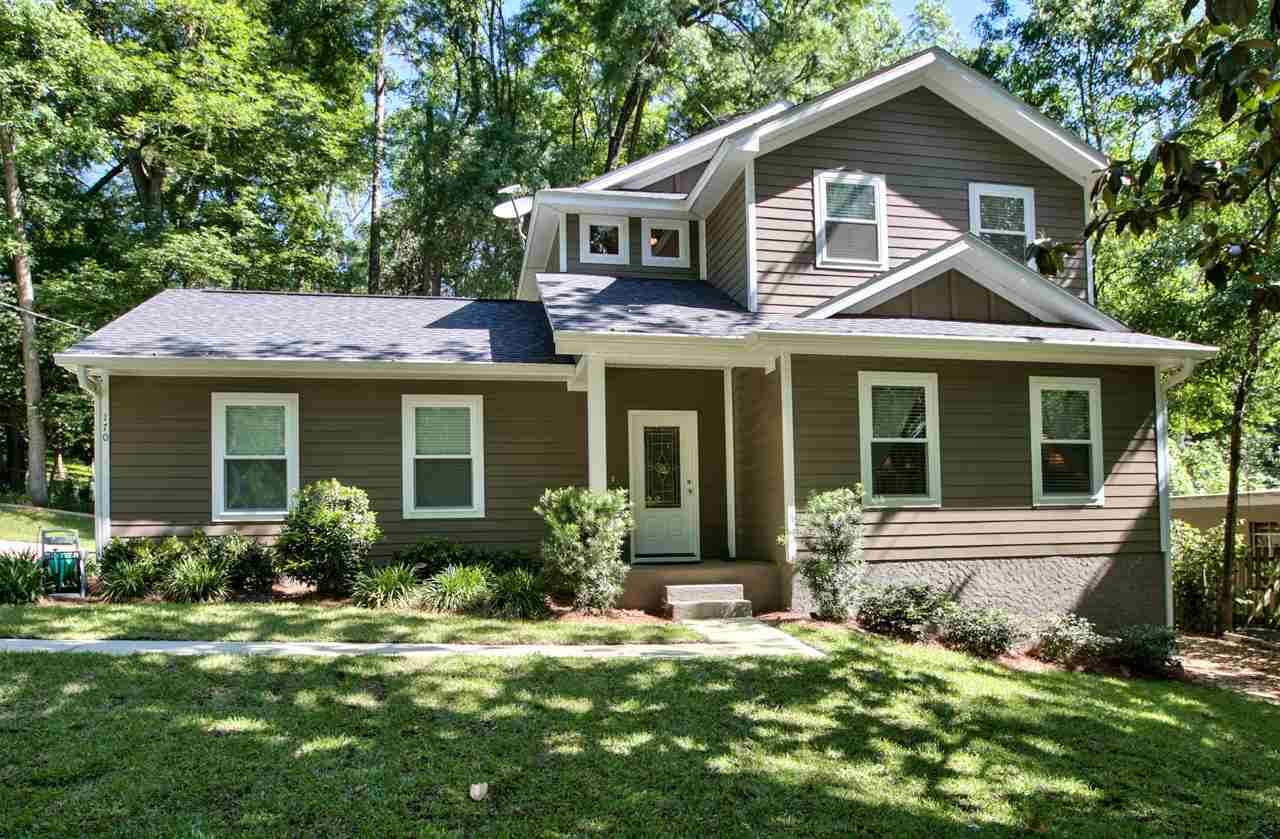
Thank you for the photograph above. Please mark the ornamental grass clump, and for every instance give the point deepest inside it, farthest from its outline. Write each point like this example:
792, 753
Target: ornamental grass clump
582, 551
387, 587
196, 579
458, 588
22, 580
832, 564
518, 594
327, 536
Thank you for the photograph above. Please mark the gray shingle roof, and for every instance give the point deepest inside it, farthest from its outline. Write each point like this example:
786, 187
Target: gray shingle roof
583, 303
587, 303
182, 323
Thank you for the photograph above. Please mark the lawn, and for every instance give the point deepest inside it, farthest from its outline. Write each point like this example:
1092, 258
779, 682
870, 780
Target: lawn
25, 525
300, 622
878, 740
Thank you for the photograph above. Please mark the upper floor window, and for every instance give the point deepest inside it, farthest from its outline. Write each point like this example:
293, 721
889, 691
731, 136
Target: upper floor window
664, 242
443, 453
255, 455
603, 240
898, 419
849, 220
1004, 217
1066, 440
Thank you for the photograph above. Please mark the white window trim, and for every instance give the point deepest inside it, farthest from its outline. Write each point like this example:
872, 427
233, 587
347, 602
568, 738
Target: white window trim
646, 251
409, 454
622, 257
820, 176
219, 404
1093, 387
867, 379
1026, 193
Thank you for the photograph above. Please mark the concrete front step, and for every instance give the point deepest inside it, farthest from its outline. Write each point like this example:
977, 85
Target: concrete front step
702, 591
706, 609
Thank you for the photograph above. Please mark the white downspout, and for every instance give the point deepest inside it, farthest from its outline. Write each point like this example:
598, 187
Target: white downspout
1178, 375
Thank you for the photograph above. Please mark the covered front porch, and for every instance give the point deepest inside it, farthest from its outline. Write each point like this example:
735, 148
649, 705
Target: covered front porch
696, 462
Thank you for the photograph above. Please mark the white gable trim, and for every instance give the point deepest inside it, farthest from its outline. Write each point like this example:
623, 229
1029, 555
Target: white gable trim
952, 80
985, 266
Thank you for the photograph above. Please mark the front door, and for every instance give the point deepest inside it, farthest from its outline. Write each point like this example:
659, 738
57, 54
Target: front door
664, 485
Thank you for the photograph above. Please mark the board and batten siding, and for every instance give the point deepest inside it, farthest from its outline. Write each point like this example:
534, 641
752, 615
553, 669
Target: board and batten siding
727, 267
634, 268
535, 438
984, 423
951, 296
929, 152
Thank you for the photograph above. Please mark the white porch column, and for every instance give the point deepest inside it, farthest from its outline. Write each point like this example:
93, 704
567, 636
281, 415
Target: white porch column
597, 468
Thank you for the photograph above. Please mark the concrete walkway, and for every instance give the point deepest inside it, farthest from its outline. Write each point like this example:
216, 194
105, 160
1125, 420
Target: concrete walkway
735, 638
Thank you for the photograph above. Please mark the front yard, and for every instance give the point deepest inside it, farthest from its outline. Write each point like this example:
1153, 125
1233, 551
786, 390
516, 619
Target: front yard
23, 524
881, 739
302, 622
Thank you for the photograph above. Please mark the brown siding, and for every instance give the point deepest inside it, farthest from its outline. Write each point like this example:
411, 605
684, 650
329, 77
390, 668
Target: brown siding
929, 152
535, 438
952, 296
727, 267
634, 268
757, 437
682, 181
629, 389
986, 462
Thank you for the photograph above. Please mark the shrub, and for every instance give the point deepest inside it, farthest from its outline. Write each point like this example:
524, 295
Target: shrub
387, 587
1196, 556
833, 564
117, 552
1070, 639
985, 633
903, 611
327, 536
458, 588
127, 580
1145, 648
431, 555
196, 579
582, 552
518, 594
247, 561
22, 580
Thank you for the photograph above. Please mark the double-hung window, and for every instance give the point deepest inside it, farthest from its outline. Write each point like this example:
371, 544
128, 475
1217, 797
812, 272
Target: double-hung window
603, 240
1004, 217
443, 452
255, 455
898, 418
849, 220
1066, 441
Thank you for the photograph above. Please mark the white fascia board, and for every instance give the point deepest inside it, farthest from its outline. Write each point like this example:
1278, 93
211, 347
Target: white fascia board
977, 349
538, 241
287, 368
1218, 500
892, 284
660, 349
681, 156
575, 200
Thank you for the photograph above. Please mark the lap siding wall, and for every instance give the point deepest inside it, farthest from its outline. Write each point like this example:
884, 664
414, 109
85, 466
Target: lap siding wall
535, 438
984, 422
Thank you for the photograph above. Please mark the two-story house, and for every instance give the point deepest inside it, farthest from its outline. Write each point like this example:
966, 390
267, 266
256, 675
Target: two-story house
810, 296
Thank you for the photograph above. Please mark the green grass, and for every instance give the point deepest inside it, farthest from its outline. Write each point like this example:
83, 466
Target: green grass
298, 622
880, 740
25, 525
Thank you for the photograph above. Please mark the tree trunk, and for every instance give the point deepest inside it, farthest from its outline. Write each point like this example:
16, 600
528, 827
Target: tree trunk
379, 143
36, 485
1244, 388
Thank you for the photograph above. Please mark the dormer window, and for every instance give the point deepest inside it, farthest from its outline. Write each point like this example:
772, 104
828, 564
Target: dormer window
664, 242
603, 240
1004, 217
849, 220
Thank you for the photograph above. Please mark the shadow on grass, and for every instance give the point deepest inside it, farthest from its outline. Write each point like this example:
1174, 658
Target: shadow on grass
292, 622
878, 740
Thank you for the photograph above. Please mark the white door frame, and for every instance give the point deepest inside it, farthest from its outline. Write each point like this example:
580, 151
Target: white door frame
636, 420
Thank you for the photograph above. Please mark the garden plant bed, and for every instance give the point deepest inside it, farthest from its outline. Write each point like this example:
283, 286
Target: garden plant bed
896, 740
307, 618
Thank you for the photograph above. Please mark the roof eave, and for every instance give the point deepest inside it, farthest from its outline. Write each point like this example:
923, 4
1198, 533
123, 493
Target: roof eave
313, 368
